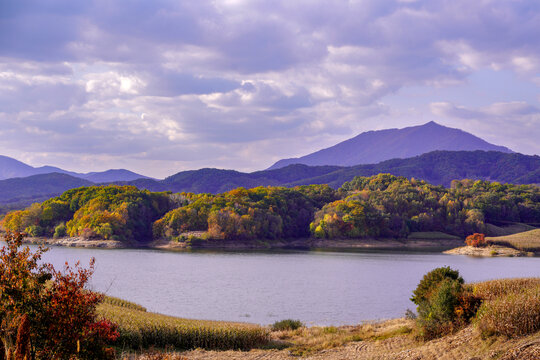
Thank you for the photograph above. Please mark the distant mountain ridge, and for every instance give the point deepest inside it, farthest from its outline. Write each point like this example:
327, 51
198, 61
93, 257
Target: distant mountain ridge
375, 146
437, 167
12, 168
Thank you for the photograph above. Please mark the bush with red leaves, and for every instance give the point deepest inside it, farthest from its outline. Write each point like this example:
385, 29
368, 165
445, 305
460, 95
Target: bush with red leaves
59, 311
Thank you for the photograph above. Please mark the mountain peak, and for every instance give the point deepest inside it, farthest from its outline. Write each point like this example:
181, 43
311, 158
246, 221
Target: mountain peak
374, 146
12, 168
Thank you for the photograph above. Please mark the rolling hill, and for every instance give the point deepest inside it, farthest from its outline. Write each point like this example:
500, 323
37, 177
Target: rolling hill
441, 167
437, 167
375, 146
18, 193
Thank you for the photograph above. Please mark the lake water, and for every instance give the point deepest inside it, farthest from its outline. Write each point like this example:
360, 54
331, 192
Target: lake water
319, 288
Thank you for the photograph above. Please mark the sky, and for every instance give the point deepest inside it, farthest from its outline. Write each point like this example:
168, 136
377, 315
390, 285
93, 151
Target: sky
160, 86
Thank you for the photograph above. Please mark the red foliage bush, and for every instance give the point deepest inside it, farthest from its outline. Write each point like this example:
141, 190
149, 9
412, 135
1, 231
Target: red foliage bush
61, 320
476, 240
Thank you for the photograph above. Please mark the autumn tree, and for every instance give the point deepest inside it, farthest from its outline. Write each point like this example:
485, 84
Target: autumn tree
47, 313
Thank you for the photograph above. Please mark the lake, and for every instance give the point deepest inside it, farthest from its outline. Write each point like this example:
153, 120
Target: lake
319, 288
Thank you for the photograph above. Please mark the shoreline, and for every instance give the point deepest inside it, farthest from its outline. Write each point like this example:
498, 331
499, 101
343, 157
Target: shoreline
488, 251
445, 246
247, 245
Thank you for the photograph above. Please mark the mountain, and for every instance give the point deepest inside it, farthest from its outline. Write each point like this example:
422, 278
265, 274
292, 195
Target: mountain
111, 176
375, 146
441, 167
217, 180
437, 167
11, 168
37, 187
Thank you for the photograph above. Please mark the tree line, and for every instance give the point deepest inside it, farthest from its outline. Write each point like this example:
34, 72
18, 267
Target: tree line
381, 206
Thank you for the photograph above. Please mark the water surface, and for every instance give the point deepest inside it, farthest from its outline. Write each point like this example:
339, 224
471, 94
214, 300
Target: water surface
319, 288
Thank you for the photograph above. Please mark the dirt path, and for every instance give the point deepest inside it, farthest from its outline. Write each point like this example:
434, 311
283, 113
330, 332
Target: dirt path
462, 346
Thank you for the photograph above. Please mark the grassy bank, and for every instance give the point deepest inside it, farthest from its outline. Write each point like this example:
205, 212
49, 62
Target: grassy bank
140, 329
524, 241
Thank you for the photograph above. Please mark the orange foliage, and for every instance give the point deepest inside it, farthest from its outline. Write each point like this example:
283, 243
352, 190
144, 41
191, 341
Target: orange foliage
476, 240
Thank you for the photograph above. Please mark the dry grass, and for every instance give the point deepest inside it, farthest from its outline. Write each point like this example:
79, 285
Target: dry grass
489, 290
305, 341
493, 230
153, 355
122, 303
511, 315
511, 307
143, 330
524, 241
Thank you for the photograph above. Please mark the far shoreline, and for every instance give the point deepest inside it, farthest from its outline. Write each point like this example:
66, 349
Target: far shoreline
247, 245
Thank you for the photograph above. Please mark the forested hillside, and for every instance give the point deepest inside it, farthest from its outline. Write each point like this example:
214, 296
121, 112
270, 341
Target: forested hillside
441, 167
438, 167
390, 206
381, 206
109, 212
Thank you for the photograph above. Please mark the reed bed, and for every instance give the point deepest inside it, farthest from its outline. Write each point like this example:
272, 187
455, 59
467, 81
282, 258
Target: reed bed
143, 330
494, 289
510, 307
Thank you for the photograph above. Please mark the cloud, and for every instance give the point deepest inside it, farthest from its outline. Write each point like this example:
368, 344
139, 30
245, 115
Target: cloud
218, 82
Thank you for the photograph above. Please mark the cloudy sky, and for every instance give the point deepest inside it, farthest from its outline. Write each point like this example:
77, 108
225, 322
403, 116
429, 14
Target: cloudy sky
163, 86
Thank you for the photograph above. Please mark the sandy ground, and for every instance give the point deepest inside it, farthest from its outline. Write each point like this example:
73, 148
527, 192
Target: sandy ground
488, 251
76, 242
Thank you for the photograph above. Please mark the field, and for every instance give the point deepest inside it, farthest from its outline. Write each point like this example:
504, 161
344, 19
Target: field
524, 241
140, 329
493, 230
507, 327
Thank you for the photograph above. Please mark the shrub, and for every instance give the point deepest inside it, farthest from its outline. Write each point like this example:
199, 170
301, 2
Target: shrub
476, 240
71, 317
287, 324
444, 303
329, 330
467, 307
431, 280
52, 309
436, 314
88, 234
193, 240
60, 231
34, 230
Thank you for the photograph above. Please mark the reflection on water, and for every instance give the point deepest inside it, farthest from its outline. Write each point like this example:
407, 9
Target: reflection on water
316, 287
